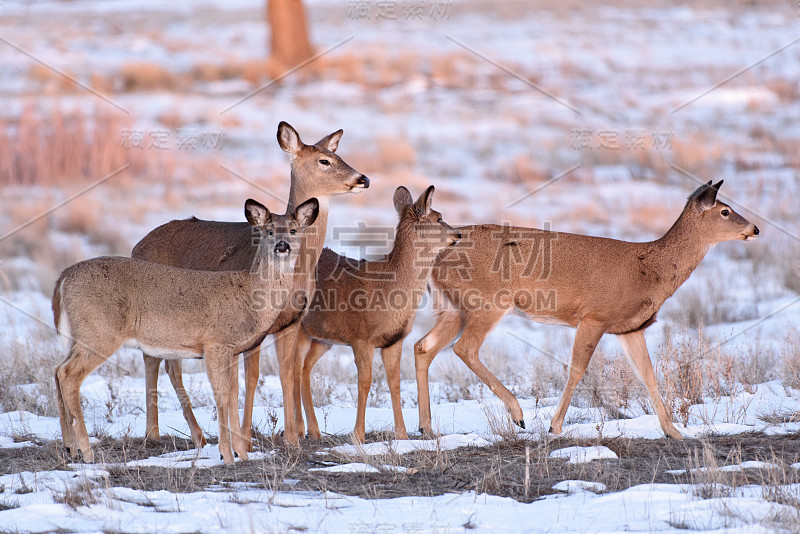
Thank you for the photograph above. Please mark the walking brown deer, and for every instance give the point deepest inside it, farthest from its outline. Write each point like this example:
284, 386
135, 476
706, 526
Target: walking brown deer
316, 171
372, 304
105, 303
594, 284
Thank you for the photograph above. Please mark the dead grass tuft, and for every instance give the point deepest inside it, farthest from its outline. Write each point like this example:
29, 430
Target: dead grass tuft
146, 76
26, 373
83, 493
61, 146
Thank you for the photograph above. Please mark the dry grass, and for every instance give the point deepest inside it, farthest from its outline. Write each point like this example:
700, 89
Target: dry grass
693, 371
790, 359
611, 385
49, 155
75, 495
57, 146
26, 373
710, 306
146, 76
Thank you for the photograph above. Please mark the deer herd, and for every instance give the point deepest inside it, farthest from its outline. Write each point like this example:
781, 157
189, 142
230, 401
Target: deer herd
213, 290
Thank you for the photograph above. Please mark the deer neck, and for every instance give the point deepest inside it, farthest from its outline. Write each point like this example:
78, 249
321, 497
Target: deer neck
265, 271
680, 251
314, 235
408, 254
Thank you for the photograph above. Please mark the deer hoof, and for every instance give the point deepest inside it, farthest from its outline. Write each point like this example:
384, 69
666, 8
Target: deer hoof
520, 423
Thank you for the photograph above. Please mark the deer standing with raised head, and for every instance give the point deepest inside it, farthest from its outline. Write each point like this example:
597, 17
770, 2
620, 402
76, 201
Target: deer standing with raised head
105, 303
316, 171
372, 304
594, 284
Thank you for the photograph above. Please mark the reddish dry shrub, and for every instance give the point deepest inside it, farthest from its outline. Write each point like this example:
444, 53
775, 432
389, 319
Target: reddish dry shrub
146, 76
56, 146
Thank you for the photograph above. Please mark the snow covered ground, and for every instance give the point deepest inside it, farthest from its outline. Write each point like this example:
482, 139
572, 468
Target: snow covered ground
597, 119
35, 501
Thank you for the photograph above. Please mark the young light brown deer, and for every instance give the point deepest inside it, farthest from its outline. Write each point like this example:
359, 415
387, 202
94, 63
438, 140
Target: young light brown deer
316, 171
372, 304
105, 303
594, 284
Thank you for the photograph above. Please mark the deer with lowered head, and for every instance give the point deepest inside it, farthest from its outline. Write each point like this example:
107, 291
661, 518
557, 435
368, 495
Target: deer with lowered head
594, 284
316, 172
372, 304
105, 303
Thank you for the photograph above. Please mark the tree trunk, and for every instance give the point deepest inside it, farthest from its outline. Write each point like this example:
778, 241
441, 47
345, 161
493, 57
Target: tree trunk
289, 43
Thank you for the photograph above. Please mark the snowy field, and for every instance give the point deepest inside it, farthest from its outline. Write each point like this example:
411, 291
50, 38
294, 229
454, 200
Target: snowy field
597, 120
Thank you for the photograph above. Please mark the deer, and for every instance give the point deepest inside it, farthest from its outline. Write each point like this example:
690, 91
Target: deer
594, 284
316, 171
372, 304
106, 303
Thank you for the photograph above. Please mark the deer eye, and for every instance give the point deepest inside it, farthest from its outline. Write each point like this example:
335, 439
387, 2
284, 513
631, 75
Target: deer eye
270, 232
439, 220
324, 162
725, 213
292, 231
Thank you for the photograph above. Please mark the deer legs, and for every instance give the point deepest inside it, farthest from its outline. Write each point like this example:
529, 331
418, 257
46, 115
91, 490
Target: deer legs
314, 353
447, 327
467, 348
252, 363
285, 342
69, 375
636, 349
219, 367
586, 339
363, 354
151, 366
174, 371
391, 363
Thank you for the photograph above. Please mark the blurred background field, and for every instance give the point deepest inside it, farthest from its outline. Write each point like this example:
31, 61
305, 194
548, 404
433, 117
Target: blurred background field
119, 116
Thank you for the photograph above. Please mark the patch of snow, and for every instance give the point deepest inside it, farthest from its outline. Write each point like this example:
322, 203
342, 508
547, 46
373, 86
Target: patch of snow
443, 443
579, 455
575, 486
7, 442
356, 467
750, 464
208, 456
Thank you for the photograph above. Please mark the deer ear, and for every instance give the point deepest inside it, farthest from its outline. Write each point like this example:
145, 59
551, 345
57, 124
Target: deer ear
707, 197
256, 213
424, 201
402, 198
307, 212
289, 139
331, 142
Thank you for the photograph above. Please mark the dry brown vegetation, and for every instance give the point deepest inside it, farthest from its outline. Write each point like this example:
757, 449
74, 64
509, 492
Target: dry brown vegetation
498, 469
56, 146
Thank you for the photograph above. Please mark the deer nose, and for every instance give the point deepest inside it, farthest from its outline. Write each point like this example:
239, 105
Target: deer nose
282, 247
458, 235
363, 180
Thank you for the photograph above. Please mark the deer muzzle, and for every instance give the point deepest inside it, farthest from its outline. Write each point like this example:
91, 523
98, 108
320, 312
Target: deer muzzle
361, 183
752, 233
